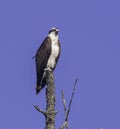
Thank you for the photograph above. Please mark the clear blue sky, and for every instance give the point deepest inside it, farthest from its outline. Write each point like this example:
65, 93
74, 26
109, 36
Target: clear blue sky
90, 38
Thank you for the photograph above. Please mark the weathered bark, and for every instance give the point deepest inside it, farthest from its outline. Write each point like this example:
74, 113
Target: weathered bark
50, 99
50, 112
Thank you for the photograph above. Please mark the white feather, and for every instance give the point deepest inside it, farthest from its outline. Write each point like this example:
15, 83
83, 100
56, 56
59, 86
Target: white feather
54, 51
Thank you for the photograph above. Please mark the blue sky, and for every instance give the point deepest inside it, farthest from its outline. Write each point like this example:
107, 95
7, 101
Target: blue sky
90, 39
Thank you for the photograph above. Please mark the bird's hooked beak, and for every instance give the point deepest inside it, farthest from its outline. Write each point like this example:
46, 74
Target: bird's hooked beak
57, 29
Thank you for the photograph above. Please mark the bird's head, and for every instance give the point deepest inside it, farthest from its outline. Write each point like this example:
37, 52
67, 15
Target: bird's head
54, 31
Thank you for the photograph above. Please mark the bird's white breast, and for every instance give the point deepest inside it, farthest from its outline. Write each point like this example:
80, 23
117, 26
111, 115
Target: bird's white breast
54, 52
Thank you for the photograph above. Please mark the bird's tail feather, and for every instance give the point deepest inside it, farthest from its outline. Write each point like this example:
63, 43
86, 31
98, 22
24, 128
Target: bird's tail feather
38, 89
40, 86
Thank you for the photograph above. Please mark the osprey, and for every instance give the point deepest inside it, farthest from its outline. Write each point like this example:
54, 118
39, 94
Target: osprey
47, 57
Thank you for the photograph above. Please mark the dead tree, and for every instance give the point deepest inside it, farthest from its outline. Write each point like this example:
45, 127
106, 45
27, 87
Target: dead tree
50, 112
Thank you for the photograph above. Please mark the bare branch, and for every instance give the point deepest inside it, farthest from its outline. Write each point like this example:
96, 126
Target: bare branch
38, 109
65, 124
64, 103
71, 97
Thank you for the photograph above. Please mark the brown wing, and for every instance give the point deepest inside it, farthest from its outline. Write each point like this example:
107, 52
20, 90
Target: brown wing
41, 58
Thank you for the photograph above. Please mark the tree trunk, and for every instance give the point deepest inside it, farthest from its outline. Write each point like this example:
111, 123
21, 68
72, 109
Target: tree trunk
50, 99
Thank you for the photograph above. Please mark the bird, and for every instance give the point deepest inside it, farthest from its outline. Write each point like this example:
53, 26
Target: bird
47, 57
